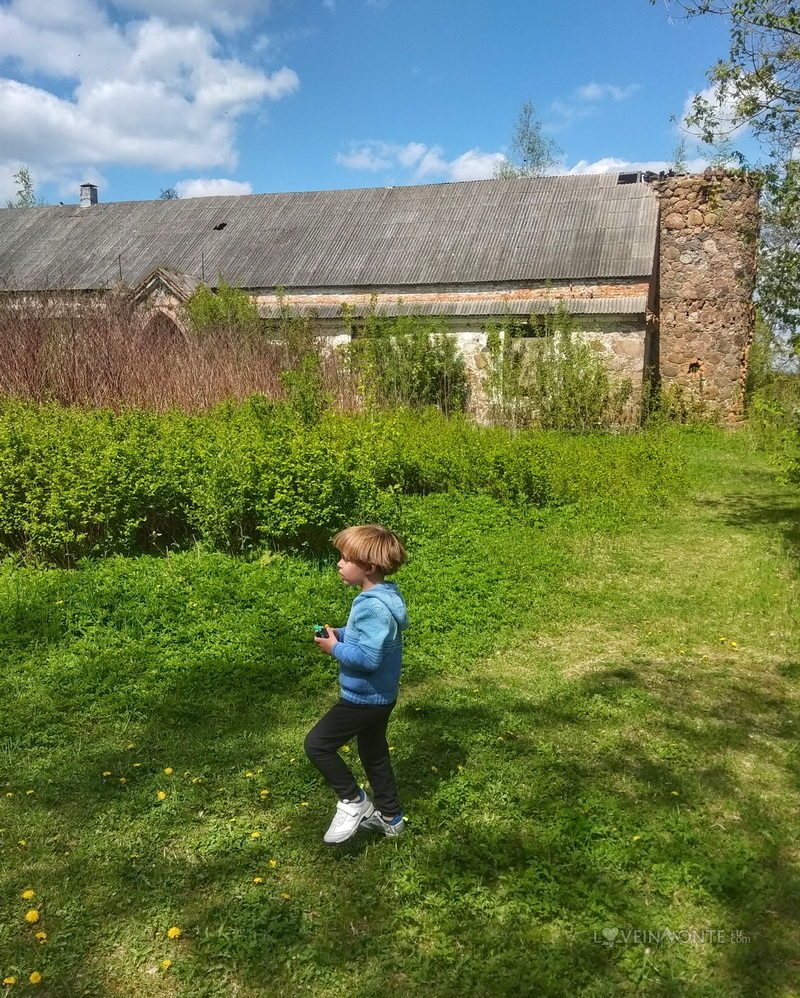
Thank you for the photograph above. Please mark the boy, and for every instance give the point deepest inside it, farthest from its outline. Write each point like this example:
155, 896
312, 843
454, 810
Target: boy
369, 651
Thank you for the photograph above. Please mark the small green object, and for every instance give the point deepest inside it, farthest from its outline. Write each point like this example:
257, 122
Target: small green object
320, 631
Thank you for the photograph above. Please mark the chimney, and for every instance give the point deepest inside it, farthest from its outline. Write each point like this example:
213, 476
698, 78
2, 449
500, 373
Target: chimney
88, 195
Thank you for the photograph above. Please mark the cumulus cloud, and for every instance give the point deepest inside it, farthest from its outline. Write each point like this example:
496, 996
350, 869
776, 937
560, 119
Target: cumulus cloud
604, 91
229, 15
146, 92
585, 101
612, 164
724, 109
203, 187
420, 160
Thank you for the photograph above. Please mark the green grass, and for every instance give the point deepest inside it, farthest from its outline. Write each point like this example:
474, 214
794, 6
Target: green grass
576, 749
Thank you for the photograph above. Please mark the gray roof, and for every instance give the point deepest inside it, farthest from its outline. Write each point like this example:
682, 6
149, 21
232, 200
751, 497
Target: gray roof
627, 305
570, 227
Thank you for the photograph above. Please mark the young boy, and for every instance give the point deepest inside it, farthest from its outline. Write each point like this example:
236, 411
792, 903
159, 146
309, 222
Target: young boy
369, 651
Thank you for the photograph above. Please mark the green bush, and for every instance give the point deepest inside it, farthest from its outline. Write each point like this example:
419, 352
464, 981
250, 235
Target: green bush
407, 360
76, 482
553, 380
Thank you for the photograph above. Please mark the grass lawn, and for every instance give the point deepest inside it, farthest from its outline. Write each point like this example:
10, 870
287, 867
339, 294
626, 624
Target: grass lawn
598, 735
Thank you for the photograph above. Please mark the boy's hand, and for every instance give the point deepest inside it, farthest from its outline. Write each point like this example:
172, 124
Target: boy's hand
326, 644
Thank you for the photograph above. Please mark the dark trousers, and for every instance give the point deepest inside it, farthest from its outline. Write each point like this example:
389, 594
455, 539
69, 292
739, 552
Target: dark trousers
367, 722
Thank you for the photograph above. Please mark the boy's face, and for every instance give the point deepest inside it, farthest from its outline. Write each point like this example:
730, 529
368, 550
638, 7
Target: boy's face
351, 572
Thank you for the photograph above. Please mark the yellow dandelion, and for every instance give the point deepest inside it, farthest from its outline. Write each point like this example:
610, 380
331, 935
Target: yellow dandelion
258, 880
29, 792
734, 644
35, 977
166, 964
286, 897
131, 745
9, 980
169, 770
136, 765
249, 775
264, 793
161, 795
273, 863
293, 760
9, 795
345, 748
174, 932
636, 838
107, 773
674, 793
255, 835
460, 768
42, 937
32, 916
196, 779
723, 639
391, 748
122, 779
22, 842
27, 895
231, 819
304, 803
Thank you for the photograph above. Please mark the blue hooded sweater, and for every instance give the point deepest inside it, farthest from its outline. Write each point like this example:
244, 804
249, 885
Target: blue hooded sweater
370, 647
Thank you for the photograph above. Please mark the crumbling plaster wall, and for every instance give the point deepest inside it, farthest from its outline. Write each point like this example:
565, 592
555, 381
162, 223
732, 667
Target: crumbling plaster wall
706, 277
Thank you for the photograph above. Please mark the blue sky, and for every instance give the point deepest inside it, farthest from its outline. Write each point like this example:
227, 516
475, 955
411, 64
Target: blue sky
137, 95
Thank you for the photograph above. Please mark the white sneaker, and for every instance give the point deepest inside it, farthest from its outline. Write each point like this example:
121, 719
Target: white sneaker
349, 815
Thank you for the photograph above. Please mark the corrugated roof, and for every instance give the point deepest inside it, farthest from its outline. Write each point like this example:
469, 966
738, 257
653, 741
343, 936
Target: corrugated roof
459, 233
626, 305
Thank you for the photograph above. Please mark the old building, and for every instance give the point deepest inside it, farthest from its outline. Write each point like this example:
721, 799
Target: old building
658, 272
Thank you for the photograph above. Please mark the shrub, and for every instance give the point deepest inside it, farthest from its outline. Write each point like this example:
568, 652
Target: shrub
407, 360
553, 380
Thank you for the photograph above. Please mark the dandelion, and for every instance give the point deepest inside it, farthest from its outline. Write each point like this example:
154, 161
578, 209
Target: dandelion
41, 937
32, 916
231, 819
460, 768
286, 897
273, 863
22, 842
674, 793
27, 895
29, 792
345, 748
304, 803
293, 760
9, 980
9, 795
196, 779
734, 644
136, 765
166, 964
391, 748
161, 795
258, 880
636, 838
131, 745
174, 932
723, 639
249, 775
255, 835
35, 977
107, 773
122, 779
169, 771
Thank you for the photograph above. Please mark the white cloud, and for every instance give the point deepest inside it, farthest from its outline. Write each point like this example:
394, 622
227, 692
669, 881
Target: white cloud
602, 91
229, 15
142, 93
209, 186
422, 160
724, 108
612, 164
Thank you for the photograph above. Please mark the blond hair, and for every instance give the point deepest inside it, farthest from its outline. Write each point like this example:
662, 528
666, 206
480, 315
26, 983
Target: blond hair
372, 544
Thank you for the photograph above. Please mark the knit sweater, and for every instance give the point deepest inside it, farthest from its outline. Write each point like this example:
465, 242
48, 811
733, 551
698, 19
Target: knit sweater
370, 647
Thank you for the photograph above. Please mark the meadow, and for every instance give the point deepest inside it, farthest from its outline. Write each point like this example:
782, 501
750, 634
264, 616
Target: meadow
597, 740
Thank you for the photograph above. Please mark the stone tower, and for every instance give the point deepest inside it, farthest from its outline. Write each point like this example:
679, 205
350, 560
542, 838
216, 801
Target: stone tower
708, 236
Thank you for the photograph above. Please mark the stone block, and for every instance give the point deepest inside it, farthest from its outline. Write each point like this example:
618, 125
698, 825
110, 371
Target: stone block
674, 221
694, 217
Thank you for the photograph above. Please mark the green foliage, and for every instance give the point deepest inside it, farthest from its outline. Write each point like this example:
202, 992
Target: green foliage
551, 380
531, 154
407, 360
168, 194
75, 482
26, 191
228, 308
304, 389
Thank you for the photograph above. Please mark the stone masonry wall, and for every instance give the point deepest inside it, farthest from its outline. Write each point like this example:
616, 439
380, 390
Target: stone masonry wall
707, 266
